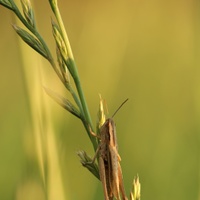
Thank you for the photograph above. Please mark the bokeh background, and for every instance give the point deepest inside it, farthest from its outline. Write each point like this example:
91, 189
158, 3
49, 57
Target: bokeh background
147, 51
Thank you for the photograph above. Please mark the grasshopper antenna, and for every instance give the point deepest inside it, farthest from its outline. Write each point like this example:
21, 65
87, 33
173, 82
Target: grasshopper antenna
119, 108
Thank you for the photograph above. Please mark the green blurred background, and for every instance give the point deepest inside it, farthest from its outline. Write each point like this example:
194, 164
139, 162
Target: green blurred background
147, 51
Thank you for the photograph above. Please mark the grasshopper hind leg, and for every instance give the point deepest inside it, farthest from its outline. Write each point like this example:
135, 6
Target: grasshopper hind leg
104, 180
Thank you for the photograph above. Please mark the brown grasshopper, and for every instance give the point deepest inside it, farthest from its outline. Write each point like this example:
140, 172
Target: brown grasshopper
109, 158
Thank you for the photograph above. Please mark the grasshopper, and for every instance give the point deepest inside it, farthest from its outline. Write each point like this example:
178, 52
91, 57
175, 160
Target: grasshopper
109, 160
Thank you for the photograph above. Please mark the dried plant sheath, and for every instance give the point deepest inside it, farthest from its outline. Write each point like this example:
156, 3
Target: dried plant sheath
109, 166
